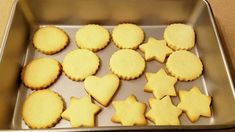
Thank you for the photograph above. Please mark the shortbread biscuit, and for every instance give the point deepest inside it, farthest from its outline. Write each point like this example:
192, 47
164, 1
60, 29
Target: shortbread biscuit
184, 65
129, 112
163, 112
40, 73
42, 109
92, 37
160, 84
127, 36
102, 89
155, 49
194, 104
81, 112
50, 40
179, 36
80, 63
127, 64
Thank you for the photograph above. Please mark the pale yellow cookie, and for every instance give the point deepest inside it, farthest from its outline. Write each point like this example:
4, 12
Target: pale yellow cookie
127, 64
50, 40
129, 112
102, 89
163, 112
40, 73
42, 109
194, 104
184, 65
80, 63
81, 112
127, 36
160, 84
179, 36
92, 37
155, 49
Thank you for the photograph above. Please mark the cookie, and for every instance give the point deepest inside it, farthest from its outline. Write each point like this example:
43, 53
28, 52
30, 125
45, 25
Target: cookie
42, 109
179, 36
155, 49
160, 84
50, 40
129, 112
194, 104
184, 65
81, 112
40, 73
127, 36
92, 37
163, 112
102, 89
127, 64
80, 63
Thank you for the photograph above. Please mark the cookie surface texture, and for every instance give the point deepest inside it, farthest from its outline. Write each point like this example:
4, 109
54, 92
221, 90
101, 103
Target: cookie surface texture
163, 112
127, 64
50, 40
40, 73
42, 109
81, 112
155, 49
127, 36
80, 63
160, 84
92, 37
102, 88
129, 112
194, 104
184, 65
179, 36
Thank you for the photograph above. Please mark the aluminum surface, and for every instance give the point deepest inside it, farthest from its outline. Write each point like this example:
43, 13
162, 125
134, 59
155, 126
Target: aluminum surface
152, 16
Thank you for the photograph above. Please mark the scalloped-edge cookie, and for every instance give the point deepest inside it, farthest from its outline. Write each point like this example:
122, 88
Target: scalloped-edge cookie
129, 112
42, 109
81, 112
127, 36
40, 73
102, 88
163, 112
184, 65
79, 64
127, 64
50, 40
179, 36
92, 37
194, 103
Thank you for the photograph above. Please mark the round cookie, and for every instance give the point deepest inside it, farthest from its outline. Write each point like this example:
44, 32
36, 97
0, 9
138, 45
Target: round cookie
40, 73
92, 37
184, 65
179, 36
127, 64
50, 40
127, 36
42, 109
80, 63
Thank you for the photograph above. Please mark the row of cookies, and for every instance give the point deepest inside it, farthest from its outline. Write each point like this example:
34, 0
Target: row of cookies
44, 109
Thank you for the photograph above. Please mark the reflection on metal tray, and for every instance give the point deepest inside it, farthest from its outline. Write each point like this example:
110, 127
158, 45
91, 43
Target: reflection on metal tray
152, 16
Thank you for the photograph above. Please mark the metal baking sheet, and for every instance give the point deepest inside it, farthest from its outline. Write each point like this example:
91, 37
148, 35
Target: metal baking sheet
152, 16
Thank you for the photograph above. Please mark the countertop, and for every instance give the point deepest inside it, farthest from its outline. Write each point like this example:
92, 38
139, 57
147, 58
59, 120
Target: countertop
223, 10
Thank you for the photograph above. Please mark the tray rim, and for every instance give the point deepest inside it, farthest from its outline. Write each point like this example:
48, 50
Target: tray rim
115, 128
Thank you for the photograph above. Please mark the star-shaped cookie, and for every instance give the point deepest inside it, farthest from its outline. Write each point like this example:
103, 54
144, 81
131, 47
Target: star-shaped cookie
163, 112
194, 104
81, 112
160, 84
155, 49
129, 112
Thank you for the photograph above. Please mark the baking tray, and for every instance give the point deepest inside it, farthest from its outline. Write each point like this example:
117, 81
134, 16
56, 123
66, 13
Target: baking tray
152, 16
